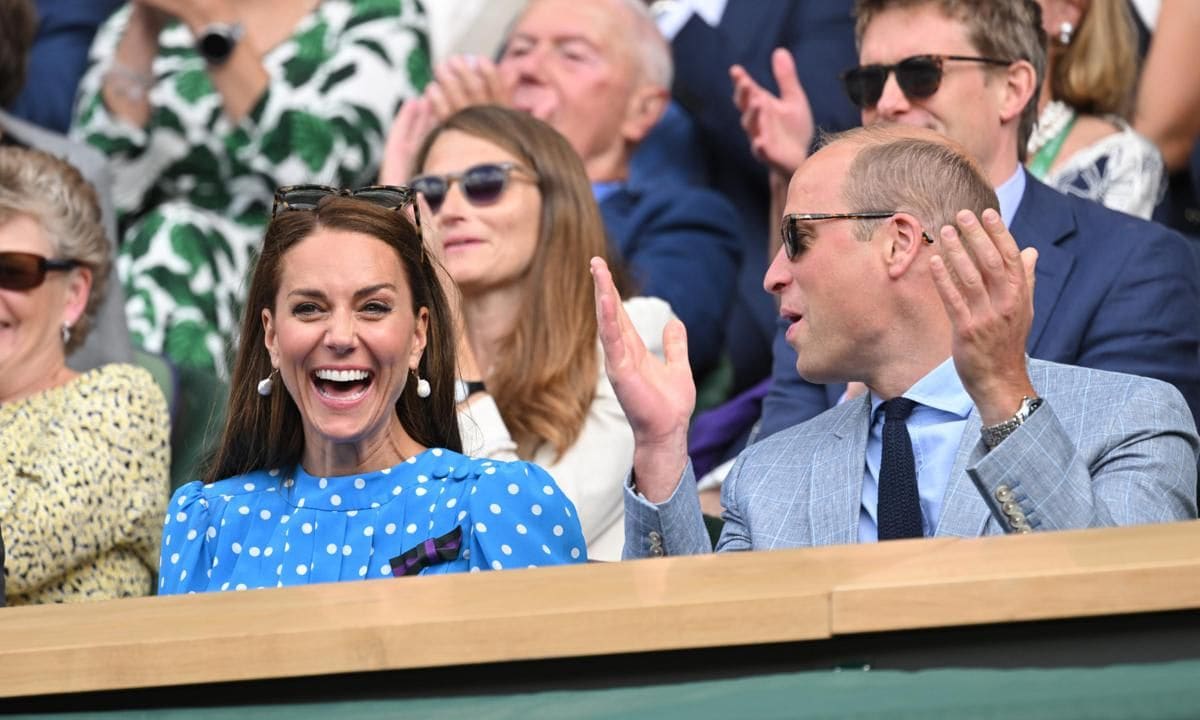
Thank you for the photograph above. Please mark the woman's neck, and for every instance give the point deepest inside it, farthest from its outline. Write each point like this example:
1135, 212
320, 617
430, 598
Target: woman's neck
18, 387
488, 320
323, 458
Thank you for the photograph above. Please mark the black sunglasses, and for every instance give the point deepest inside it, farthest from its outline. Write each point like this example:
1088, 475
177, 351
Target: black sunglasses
918, 76
25, 271
481, 184
794, 234
306, 197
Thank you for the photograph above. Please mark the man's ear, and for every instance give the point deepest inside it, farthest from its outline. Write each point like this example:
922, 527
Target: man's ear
1020, 83
646, 105
904, 240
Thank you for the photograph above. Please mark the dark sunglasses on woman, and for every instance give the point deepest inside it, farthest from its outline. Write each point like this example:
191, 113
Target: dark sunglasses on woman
481, 184
306, 197
26, 271
918, 76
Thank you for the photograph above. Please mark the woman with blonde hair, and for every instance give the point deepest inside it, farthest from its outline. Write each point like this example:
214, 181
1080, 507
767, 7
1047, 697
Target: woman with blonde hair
83, 457
1082, 143
516, 225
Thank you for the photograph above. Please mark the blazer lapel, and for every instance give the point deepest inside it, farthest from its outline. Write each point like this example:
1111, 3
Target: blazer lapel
837, 474
1044, 221
964, 513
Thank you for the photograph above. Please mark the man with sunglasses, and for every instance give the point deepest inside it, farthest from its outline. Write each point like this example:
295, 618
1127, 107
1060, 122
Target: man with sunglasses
1113, 292
917, 290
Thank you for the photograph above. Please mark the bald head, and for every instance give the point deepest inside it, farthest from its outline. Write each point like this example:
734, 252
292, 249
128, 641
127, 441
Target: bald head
917, 170
598, 71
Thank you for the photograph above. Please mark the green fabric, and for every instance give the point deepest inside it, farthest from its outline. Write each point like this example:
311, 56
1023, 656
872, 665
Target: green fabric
194, 189
1124, 692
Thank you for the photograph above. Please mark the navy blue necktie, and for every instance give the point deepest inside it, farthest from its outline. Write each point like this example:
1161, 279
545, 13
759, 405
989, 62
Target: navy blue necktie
899, 508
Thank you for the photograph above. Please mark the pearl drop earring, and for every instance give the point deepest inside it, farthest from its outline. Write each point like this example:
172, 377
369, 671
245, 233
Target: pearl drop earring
267, 384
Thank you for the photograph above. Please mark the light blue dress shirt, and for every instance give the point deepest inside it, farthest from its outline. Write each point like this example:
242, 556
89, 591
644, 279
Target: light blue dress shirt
1009, 194
936, 427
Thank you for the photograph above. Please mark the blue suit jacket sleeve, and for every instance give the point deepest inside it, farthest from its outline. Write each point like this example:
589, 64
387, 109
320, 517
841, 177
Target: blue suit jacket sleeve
681, 245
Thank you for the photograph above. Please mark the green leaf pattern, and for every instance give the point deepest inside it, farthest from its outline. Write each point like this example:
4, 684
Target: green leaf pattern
194, 190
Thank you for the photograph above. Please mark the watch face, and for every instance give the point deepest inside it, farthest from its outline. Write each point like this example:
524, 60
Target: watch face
215, 46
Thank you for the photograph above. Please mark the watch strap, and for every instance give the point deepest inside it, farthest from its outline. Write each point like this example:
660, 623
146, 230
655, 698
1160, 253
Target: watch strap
993, 435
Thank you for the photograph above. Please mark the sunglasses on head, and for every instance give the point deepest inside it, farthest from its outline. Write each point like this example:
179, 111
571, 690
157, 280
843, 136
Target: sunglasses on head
481, 184
918, 76
25, 271
306, 197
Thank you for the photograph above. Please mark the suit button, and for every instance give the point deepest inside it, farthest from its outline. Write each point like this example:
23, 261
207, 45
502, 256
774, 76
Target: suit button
1024, 530
1011, 509
655, 537
1003, 493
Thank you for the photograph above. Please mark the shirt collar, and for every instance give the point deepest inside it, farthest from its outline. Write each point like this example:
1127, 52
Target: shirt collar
941, 389
1009, 194
601, 190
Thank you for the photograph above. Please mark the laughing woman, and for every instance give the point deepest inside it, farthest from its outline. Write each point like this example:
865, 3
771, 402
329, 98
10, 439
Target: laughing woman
339, 459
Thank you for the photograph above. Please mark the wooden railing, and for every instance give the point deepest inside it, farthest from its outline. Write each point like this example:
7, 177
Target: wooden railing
598, 609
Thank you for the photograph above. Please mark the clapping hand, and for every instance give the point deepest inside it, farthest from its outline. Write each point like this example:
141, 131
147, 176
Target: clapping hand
780, 129
462, 81
414, 121
657, 397
986, 285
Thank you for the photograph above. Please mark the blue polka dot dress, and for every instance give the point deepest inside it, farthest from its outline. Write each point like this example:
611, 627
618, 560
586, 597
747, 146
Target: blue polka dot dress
273, 528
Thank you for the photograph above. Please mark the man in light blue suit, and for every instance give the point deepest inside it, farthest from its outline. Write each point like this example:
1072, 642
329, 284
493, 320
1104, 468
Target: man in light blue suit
898, 272
1113, 292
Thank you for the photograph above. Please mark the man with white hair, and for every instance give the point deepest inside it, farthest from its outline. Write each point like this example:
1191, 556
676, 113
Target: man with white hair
599, 72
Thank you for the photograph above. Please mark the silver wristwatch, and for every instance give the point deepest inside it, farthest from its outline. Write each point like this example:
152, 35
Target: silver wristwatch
993, 434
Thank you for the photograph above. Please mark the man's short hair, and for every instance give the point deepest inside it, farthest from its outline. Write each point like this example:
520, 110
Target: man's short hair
915, 171
1005, 29
18, 26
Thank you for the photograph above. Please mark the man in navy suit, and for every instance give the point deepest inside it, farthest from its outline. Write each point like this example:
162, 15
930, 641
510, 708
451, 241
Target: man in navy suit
1113, 292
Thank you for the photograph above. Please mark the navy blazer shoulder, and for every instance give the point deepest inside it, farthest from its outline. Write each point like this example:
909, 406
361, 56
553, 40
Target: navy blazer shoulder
680, 243
1114, 292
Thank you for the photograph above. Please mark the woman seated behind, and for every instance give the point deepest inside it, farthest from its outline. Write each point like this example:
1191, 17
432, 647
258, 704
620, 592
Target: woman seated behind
339, 456
1082, 143
518, 225
83, 458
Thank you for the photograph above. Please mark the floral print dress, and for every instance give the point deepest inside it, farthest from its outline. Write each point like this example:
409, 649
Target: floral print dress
193, 190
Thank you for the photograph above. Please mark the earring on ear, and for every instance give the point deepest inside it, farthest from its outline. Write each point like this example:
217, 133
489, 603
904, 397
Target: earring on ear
267, 384
66, 333
927, 237
1065, 31
424, 389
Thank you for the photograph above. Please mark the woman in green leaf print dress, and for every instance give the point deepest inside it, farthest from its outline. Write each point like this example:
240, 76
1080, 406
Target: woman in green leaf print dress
203, 108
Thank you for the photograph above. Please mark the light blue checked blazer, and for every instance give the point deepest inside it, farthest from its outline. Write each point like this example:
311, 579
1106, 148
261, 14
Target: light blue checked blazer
1105, 449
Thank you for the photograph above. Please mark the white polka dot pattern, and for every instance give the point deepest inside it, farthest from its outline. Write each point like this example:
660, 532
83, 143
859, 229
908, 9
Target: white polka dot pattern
323, 529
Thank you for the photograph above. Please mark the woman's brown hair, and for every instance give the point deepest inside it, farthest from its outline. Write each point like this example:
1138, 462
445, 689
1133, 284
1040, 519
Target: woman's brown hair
1097, 73
545, 381
266, 432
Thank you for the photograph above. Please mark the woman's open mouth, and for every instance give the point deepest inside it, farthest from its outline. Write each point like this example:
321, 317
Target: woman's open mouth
342, 385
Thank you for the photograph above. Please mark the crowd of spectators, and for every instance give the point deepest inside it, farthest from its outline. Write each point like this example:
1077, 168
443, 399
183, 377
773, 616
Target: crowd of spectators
349, 261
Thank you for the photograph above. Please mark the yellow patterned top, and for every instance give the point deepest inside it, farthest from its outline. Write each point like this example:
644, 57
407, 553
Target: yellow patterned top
83, 487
